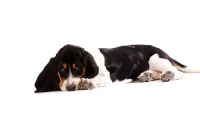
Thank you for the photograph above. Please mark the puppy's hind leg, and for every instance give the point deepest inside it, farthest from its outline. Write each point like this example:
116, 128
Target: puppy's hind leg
168, 71
145, 76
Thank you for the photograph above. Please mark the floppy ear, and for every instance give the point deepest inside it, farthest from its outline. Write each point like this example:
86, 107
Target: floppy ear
48, 79
91, 67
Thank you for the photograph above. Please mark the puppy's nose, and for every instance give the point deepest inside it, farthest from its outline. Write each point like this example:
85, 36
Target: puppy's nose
71, 87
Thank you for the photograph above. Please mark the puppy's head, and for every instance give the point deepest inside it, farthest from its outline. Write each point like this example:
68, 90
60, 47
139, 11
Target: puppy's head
64, 72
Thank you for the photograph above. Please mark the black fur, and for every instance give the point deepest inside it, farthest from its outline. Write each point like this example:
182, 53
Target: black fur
48, 79
91, 67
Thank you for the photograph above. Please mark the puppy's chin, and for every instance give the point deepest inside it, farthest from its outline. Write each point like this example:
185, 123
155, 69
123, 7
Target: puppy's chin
66, 86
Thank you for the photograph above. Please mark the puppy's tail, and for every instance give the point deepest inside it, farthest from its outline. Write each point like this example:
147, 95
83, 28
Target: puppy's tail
183, 68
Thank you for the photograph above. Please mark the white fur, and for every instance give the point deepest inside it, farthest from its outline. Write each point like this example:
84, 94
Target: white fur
142, 74
189, 69
103, 77
163, 65
70, 80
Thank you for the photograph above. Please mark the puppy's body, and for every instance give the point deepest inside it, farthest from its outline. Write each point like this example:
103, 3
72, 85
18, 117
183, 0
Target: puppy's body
127, 62
77, 68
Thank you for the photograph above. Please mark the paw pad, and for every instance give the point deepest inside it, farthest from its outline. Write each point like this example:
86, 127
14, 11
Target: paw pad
145, 77
167, 76
84, 85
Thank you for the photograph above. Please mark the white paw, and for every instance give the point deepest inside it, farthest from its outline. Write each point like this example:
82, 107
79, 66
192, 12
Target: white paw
145, 76
85, 85
167, 76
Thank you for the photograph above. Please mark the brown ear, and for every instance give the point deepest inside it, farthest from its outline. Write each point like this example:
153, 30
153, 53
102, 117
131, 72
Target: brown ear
91, 67
48, 79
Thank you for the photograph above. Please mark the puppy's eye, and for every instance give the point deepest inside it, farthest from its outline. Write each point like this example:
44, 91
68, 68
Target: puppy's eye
77, 68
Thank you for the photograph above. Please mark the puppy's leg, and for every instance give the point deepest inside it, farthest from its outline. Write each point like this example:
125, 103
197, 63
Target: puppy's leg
168, 71
101, 80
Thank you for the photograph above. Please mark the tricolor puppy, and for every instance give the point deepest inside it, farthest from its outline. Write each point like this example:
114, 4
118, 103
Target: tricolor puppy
76, 68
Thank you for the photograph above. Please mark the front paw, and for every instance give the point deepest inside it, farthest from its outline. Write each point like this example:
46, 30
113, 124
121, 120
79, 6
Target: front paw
85, 85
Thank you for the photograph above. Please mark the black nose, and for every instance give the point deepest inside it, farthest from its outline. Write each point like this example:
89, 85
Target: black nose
71, 87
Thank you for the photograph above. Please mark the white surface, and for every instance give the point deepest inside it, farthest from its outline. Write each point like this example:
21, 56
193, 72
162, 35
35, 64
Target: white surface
33, 31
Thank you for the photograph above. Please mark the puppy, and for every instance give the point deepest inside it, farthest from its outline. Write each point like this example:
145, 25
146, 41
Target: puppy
76, 68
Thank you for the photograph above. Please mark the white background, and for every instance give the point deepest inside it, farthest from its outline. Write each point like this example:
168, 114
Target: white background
33, 31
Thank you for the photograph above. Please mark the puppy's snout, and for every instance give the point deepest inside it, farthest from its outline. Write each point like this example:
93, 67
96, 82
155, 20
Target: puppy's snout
71, 87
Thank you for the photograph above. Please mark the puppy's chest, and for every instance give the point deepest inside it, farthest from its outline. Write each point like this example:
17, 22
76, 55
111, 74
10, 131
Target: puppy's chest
103, 77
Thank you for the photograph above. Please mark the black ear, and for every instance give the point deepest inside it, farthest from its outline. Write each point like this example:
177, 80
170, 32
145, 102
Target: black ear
91, 67
48, 79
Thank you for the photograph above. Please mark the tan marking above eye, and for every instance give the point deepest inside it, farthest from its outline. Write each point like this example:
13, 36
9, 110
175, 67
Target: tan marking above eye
64, 65
74, 66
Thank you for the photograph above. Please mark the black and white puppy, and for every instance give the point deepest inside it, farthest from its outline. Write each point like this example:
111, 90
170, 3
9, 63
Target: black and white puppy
76, 68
